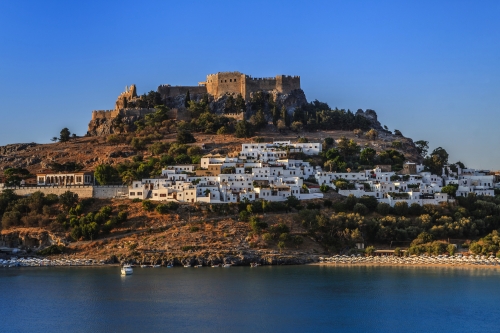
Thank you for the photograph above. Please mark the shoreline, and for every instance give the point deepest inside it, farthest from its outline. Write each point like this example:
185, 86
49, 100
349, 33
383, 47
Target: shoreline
419, 265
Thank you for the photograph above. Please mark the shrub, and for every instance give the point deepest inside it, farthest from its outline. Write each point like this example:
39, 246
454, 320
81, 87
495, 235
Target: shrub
172, 205
185, 137
324, 188
401, 208
297, 241
268, 238
284, 237
360, 209
122, 216
147, 205
244, 216
383, 208
53, 249
106, 211
162, 209
194, 229
415, 209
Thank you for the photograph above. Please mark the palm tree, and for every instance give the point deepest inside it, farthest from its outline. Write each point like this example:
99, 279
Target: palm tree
128, 177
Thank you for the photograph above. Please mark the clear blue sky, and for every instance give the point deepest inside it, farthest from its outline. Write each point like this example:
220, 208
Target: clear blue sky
429, 68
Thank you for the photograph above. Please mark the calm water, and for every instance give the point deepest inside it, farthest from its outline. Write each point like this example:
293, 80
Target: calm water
243, 299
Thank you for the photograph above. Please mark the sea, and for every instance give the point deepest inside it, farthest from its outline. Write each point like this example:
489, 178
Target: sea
243, 299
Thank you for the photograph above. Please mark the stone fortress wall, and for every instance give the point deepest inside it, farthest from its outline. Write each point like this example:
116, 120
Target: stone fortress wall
217, 85
223, 83
83, 191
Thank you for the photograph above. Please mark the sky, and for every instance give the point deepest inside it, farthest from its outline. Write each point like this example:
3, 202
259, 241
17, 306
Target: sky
430, 69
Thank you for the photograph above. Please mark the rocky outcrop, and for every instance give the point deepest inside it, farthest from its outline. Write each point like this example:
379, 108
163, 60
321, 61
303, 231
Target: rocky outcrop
106, 126
371, 115
242, 258
179, 101
15, 147
296, 98
29, 239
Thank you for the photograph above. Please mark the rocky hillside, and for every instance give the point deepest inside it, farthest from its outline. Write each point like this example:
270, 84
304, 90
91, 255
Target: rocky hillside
92, 151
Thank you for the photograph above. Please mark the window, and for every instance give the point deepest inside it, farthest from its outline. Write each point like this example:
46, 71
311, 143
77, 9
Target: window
139, 193
163, 195
132, 193
78, 179
234, 80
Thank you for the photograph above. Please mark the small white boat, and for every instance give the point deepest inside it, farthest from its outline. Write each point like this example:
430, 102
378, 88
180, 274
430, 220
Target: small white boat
187, 265
227, 265
216, 265
170, 266
156, 266
127, 270
198, 266
144, 266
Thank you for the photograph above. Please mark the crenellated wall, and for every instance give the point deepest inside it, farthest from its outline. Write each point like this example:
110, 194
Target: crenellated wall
287, 83
104, 114
223, 83
167, 90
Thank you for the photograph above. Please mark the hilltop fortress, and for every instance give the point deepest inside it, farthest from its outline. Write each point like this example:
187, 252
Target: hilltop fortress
216, 85
223, 83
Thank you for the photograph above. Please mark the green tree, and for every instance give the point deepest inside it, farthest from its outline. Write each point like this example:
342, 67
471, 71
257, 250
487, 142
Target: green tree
296, 126
347, 147
147, 205
68, 199
401, 208
185, 137
367, 155
371, 134
451, 249
292, 202
280, 124
324, 188
369, 250
239, 104
187, 100
243, 129
450, 189
230, 105
360, 209
297, 241
267, 237
14, 176
64, 135
437, 160
281, 245
259, 120
105, 174
383, 208
285, 116
422, 147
